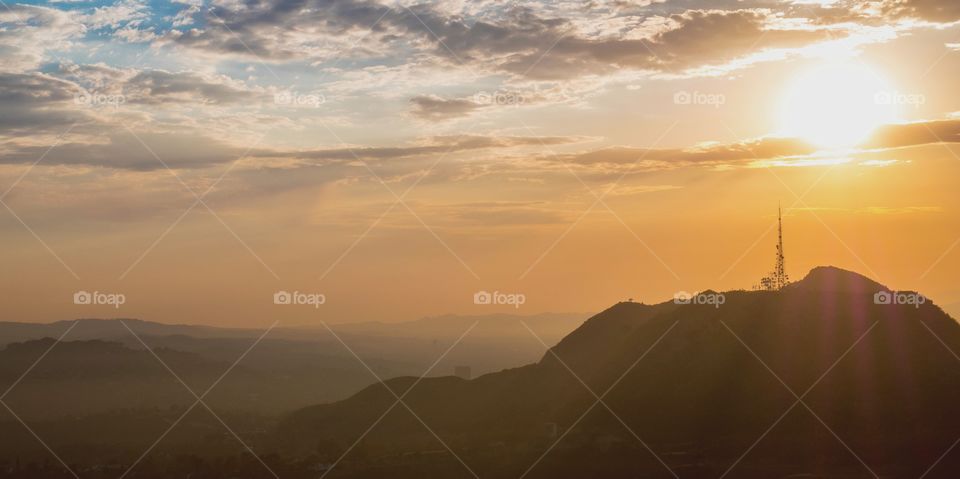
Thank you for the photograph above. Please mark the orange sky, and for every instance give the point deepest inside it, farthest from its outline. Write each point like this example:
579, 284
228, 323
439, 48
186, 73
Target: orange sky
398, 176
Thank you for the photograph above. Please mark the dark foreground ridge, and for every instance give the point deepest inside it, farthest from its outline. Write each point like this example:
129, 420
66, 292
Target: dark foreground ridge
814, 380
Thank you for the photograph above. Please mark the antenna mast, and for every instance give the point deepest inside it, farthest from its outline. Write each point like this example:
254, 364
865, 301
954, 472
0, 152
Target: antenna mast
778, 278
781, 270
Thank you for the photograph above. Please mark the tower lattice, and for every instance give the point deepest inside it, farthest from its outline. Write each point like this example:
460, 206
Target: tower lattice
778, 278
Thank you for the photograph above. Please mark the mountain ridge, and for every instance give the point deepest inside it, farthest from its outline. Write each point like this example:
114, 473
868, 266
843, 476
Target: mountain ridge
665, 369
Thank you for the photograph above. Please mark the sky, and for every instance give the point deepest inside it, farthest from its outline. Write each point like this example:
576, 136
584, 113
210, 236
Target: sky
395, 158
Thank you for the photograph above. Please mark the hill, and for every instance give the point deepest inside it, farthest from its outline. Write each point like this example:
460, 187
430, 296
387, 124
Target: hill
700, 384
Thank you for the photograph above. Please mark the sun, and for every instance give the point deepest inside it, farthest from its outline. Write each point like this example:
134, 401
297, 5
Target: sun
836, 105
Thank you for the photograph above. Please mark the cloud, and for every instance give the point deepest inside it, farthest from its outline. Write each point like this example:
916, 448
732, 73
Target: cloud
157, 87
434, 108
35, 103
712, 155
271, 172
767, 151
692, 39
518, 41
186, 16
709, 37
280, 30
125, 151
60, 92
787, 151
27, 32
914, 134
114, 15
183, 150
434, 146
132, 34
939, 11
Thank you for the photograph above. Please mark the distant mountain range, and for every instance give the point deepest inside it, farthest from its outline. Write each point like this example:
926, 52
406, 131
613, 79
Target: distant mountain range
689, 390
493, 342
104, 367
551, 326
78, 378
107, 329
101, 378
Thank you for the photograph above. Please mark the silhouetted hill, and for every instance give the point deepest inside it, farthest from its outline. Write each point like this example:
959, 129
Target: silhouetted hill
836, 280
953, 309
698, 383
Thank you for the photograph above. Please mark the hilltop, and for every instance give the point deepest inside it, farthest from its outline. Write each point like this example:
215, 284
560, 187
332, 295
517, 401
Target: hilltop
698, 383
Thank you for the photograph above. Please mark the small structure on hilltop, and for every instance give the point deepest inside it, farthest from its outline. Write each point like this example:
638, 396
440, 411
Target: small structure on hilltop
777, 279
